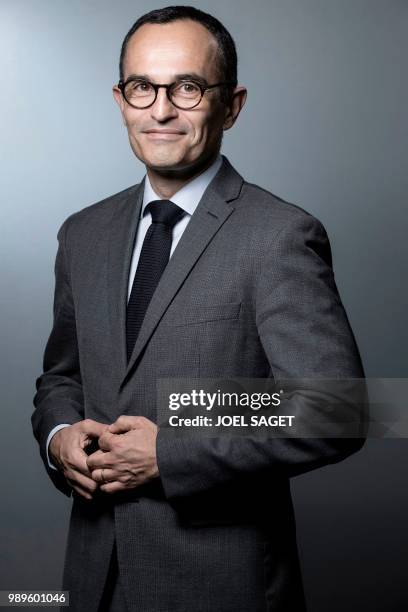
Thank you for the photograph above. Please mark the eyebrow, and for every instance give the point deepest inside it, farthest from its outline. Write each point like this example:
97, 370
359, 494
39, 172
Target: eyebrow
187, 76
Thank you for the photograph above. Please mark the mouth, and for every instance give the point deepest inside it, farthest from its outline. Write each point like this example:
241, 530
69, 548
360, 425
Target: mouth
164, 134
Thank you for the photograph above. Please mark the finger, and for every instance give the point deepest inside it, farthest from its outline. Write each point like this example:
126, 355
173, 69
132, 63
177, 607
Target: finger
90, 459
82, 492
93, 428
104, 475
78, 462
106, 440
125, 423
102, 460
113, 487
87, 484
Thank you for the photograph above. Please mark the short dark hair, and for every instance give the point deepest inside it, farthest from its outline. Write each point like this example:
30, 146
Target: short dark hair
228, 60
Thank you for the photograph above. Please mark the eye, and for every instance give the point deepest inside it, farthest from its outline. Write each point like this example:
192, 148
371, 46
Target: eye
138, 88
143, 86
187, 89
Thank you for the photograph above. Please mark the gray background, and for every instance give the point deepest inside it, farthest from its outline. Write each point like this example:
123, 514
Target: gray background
324, 127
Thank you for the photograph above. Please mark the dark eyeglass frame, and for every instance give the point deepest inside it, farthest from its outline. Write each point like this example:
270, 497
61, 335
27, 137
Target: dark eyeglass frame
168, 87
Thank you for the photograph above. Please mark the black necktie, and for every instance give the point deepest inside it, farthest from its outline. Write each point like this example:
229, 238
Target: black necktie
154, 257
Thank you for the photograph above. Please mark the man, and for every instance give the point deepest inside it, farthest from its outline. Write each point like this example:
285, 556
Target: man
192, 273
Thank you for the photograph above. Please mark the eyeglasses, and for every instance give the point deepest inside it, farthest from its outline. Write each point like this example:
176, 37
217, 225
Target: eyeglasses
183, 94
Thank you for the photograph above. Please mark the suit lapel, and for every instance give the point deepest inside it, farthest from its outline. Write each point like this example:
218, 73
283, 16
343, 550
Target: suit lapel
212, 211
123, 230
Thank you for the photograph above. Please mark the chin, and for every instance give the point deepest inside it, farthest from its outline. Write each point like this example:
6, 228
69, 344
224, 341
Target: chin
162, 159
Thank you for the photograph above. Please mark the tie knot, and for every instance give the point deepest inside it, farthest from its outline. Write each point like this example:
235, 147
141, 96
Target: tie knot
165, 211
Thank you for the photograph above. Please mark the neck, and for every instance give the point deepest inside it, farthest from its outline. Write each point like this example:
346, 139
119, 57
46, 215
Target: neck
167, 182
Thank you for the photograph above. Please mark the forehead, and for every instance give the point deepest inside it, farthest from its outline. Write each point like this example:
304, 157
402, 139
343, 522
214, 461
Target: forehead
164, 50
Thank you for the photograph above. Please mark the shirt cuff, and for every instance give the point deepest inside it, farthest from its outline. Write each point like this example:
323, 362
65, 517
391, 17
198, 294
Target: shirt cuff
50, 435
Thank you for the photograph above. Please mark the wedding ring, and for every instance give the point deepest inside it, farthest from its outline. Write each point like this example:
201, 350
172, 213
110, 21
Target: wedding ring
102, 476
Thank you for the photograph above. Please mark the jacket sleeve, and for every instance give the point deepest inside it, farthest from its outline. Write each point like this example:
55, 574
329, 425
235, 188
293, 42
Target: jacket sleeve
59, 397
305, 333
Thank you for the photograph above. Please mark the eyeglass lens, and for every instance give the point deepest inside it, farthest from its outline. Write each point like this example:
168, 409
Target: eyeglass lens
141, 94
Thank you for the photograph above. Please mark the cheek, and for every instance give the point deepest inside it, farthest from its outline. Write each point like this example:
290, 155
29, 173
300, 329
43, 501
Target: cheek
136, 138
206, 131
134, 122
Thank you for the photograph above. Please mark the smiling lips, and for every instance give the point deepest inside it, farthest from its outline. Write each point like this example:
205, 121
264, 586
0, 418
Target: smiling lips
165, 134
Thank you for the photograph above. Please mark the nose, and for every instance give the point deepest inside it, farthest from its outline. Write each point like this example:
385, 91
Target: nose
163, 109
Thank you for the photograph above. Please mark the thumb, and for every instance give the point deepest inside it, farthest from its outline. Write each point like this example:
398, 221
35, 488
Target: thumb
125, 423
93, 428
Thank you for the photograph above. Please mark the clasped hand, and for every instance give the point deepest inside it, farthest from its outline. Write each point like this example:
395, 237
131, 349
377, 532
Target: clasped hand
126, 457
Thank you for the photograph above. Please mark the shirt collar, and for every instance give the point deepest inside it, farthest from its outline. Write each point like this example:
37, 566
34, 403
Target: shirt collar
188, 196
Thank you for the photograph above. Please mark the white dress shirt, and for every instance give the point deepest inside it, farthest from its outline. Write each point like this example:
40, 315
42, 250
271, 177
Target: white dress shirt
187, 198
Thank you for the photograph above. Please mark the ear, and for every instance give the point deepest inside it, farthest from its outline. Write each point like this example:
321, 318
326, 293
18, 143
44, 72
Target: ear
238, 99
117, 94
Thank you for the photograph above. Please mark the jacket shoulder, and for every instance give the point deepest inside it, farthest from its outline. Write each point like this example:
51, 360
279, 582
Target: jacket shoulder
270, 208
100, 212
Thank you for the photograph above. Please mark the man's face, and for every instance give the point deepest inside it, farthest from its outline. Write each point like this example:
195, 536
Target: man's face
161, 53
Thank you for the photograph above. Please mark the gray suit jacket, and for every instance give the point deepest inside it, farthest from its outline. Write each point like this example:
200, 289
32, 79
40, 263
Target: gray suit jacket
248, 292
